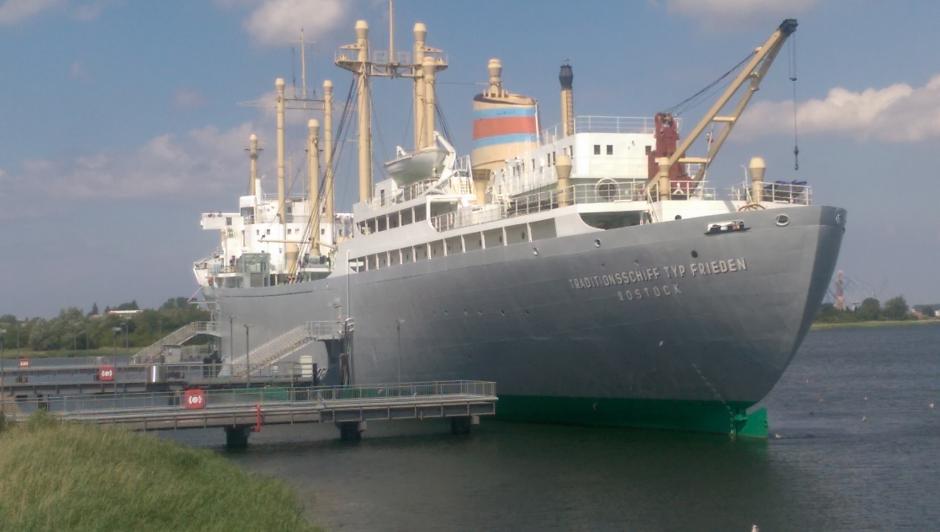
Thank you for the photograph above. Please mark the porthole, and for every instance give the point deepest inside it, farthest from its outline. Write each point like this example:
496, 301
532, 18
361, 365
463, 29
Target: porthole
678, 217
535, 251
783, 220
694, 254
597, 242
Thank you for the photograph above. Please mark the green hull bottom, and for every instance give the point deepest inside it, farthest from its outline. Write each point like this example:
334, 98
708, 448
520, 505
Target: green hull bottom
693, 416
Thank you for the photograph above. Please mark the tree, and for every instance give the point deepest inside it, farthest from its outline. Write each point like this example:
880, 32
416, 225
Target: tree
94, 309
895, 308
870, 309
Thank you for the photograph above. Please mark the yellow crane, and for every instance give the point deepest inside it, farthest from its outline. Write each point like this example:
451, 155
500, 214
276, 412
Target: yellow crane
658, 186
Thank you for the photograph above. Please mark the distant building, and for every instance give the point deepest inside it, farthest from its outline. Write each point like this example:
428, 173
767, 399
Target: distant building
936, 313
124, 312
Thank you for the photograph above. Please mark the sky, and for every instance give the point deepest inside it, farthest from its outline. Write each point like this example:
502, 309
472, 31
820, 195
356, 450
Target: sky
123, 120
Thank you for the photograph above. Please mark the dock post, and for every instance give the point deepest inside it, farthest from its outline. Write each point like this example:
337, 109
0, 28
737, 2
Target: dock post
236, 437
351, 430
462, 424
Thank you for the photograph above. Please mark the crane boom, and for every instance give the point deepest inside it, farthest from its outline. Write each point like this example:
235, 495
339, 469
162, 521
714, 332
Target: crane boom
754, 71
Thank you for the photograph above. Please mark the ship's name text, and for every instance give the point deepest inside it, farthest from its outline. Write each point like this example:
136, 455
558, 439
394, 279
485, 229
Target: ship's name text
671, 272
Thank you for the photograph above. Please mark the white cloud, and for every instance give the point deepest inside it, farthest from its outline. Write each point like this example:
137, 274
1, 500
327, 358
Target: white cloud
896, 113
202, 162
89, 11
278, 22
13, 11
185, 98
715, 11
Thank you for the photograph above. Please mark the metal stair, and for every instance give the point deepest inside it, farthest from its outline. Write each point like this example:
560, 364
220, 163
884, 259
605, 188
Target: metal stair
281, 347
177, 337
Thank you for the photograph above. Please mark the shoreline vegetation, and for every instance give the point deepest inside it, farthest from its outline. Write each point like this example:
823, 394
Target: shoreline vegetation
66, 476
825, 326
117, 331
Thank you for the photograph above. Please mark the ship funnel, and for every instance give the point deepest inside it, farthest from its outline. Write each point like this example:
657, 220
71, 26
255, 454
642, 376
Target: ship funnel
566, 77
757, 168
504, 126
253, 150
495, 68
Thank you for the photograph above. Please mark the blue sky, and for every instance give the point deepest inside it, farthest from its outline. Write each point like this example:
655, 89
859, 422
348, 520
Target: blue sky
121, 119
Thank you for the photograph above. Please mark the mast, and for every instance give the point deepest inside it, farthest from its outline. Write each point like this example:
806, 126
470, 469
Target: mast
328, 150
279, 112
429, 113
365, 123
420, 33
313, 177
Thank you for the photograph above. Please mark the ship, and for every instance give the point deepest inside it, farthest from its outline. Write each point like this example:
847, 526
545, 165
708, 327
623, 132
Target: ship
588, 269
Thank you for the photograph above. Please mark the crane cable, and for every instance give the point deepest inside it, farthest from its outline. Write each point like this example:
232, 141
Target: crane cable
793, 78
682, 106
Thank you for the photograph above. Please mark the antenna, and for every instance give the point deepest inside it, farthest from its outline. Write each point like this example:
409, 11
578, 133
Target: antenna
303, 68
391, 32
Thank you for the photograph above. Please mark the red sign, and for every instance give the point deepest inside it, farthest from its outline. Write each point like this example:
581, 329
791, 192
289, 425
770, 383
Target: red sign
24, 363
194, 399
106, 373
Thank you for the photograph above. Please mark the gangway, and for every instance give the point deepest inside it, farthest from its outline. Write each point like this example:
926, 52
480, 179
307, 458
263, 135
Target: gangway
178, 337
280, 347
241, 411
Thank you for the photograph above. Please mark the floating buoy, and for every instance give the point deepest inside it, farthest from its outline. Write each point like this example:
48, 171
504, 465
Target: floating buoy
866, 397
864, 419
776, 436
931, 405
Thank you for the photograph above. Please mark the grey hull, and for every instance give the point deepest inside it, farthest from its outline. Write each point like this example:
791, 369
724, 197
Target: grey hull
653, 312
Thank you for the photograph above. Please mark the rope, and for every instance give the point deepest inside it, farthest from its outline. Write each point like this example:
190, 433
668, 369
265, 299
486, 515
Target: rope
793, 78
678, 108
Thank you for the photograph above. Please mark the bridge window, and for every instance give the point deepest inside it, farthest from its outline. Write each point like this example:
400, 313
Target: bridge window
610, 149
597, 149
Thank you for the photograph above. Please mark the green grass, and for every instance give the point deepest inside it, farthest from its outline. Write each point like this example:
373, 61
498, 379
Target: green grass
63, 476
871, 324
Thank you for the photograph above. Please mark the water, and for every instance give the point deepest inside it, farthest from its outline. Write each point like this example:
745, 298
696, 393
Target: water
854, 446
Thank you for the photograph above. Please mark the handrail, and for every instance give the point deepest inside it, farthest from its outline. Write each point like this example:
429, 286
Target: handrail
87, 403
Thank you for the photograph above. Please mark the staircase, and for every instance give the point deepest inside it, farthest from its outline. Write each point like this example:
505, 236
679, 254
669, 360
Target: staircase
177, 337
281, 347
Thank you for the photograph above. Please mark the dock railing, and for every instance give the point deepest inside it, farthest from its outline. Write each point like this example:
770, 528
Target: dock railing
89, 404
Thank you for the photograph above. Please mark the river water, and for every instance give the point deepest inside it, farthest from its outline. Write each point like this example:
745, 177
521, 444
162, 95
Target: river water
855, 445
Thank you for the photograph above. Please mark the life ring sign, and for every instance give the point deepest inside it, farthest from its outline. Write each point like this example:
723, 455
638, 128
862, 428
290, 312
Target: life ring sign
106, 373
194, 399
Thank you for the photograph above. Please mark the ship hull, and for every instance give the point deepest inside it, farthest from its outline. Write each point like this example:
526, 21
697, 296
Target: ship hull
657, 326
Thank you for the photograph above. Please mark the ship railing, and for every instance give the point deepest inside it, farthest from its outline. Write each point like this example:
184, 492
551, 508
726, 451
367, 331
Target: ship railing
613, 124
783, 192
546, 200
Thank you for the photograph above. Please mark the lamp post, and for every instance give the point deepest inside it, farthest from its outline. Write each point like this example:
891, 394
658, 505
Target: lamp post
3, 333
247, 359
231, 339
115, 331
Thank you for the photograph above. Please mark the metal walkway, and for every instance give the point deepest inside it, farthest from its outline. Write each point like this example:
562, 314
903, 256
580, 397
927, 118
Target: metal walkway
241, 411
178, 337
281, 347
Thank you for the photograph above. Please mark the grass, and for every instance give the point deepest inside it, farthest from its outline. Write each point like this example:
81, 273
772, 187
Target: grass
871, 324
63, 476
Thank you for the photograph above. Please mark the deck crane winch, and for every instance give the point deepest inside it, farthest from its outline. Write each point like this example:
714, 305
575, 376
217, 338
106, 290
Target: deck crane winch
667, 164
